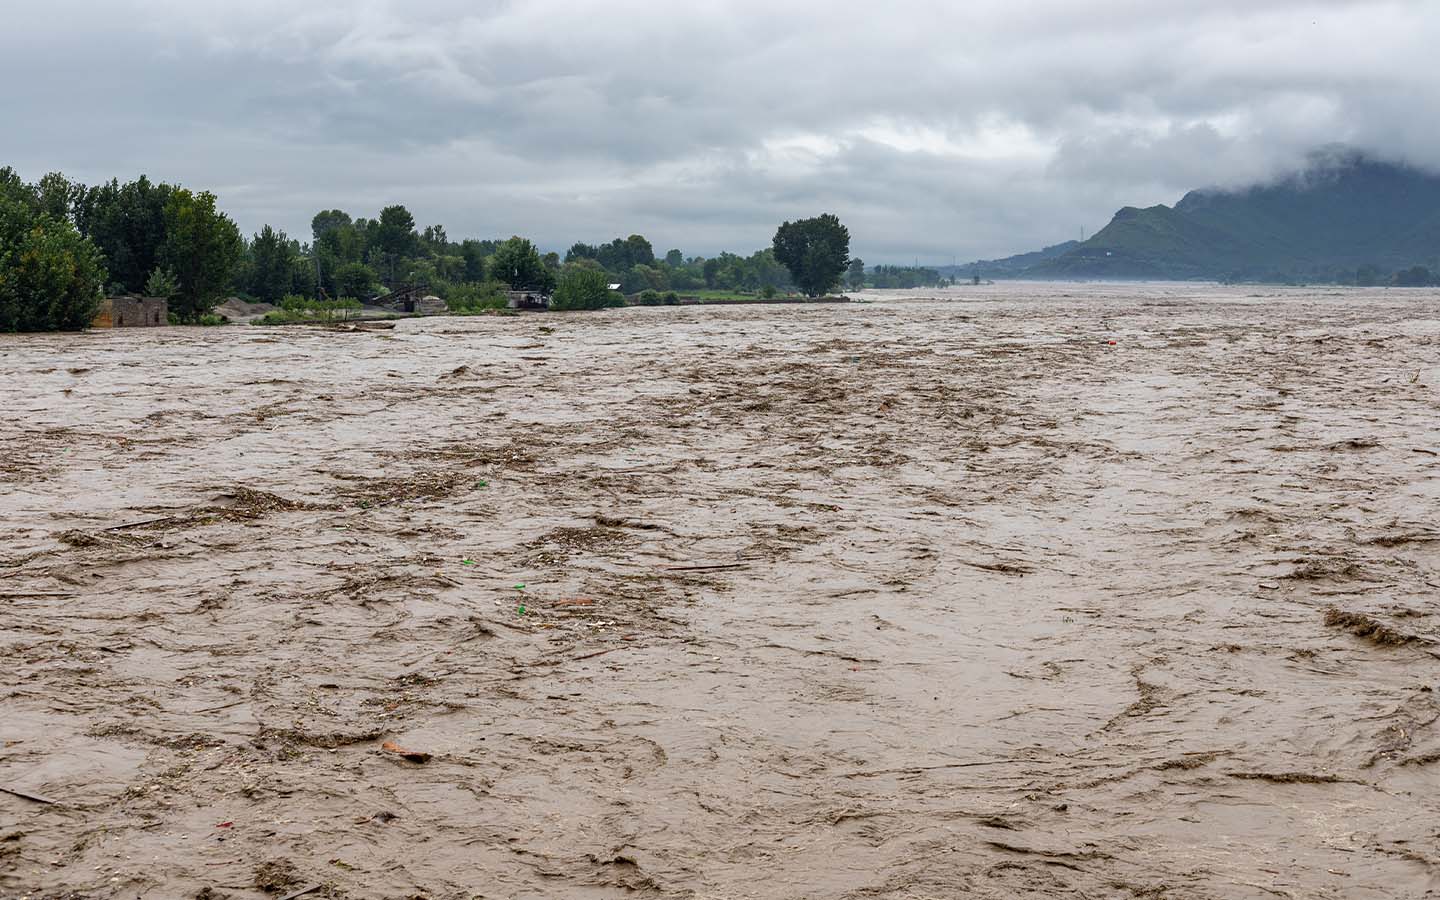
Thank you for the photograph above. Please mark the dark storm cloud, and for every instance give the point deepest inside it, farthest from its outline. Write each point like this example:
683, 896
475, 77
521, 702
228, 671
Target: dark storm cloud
933, 129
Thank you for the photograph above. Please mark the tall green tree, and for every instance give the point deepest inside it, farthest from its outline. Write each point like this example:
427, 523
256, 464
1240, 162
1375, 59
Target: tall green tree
202, 247
620, 255
57, 195
816, 251
50, 275
518, 263
327, 221
434, 240
641, 253
581, 250
127, 223
396, 236
272, 265
474, 256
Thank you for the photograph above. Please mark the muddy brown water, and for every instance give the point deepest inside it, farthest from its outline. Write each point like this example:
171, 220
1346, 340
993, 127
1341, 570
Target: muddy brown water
918, 598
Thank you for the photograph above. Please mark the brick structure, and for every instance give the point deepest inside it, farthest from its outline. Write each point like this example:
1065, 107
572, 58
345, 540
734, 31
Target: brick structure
131, 312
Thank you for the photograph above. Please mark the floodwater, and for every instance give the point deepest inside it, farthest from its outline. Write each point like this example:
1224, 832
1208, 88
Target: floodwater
918, 598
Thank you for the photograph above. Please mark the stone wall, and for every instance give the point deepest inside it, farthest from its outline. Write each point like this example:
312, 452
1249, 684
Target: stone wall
131, 312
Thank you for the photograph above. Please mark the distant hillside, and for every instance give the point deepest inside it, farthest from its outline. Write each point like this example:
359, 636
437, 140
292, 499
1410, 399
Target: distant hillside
1010, 266
1342, 213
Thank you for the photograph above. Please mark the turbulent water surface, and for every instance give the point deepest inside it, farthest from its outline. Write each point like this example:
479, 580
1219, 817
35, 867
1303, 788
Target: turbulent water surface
1028, 590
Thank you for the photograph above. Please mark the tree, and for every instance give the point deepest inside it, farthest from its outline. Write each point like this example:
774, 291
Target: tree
582, 287
57, 196
816, 251
474, 256
584, 263
355, 280
50, 276
641, 278
641, 253
620, 255
435, 240
674, 259
334, 242
395, 236
327, 221
272, 265
579, 250
202, 247
303, 277
857, 273
127, 224
517, 263
161, 283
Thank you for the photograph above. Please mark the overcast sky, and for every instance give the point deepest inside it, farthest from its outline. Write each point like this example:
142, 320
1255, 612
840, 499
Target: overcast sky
972, 128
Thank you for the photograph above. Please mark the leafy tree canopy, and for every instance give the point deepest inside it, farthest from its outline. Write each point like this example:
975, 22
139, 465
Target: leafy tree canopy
127, 224
327, 221
395, 236
50, 275
272, 260
518, 263
355, 280
816, 251
202, 247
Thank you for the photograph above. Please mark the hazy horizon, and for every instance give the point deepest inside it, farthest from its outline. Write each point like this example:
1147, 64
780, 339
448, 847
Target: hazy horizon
932, 132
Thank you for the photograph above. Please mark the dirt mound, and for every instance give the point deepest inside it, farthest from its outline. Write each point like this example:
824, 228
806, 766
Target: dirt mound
237, 310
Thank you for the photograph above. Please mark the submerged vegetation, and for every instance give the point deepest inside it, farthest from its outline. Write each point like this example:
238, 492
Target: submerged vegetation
295, 309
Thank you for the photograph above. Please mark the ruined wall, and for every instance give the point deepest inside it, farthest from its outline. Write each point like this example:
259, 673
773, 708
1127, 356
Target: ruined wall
131, 312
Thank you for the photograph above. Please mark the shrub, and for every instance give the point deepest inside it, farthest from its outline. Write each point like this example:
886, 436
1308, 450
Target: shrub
471, 297
650, 298
585, 289
295, 309
161, 283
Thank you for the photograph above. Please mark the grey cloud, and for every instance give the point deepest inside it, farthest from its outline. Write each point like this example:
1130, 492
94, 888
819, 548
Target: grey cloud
972, 129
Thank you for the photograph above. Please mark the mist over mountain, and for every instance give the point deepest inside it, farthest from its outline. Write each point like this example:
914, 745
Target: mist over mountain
1345, 211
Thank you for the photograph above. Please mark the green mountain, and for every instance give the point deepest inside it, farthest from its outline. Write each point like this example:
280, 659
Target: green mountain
1343, 212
